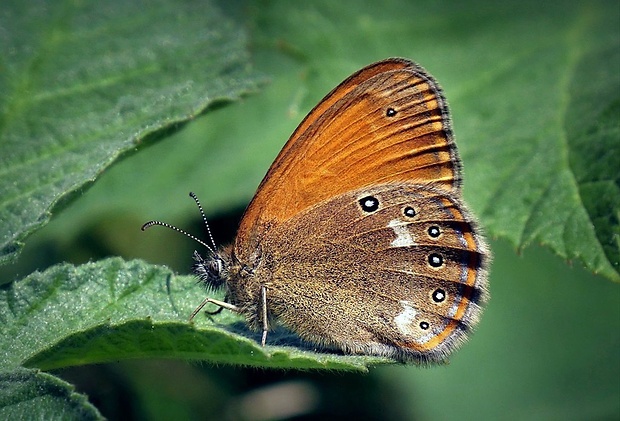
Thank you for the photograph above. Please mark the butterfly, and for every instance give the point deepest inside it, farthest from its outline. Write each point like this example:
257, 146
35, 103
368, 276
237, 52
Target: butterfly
358, 238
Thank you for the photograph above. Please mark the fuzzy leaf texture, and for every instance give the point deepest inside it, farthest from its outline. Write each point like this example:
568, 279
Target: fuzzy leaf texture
41, 396
82, 83
557, 181
114, 310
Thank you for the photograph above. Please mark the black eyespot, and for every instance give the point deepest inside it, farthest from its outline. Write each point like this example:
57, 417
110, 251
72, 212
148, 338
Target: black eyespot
409, 212
434, 231
435, 260
369, 203
424, 325
439, 295
390, 112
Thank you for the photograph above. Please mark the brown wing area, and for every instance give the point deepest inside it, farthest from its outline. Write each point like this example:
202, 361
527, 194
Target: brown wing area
362, 279
388, 122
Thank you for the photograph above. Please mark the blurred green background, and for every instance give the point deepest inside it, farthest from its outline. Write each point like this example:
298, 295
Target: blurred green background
548, 345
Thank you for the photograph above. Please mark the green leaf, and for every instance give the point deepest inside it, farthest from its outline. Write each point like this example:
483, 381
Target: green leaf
549, 161
84, 82
41, 396
113, 310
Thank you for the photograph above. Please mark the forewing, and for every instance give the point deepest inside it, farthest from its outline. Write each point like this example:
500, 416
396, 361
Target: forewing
386, 123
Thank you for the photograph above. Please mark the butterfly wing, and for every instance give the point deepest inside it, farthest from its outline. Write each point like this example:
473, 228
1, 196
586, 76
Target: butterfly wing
388, 122
396, 269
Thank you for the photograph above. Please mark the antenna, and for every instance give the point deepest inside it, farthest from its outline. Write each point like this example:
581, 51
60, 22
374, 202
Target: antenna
204, 218
193, 237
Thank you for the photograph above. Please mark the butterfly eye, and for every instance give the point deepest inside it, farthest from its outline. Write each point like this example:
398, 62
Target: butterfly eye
390, 112
435, 260
424, 325
215, 266
434, 231
439, 295
409, 212
369, 203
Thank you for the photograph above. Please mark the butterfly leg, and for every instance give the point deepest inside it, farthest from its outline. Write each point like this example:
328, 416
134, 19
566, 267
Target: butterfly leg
208, 300
219, 310
263, 293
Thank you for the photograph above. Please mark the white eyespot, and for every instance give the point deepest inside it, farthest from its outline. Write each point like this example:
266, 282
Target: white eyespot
403, 236
369, 204
405, 318
439, 295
